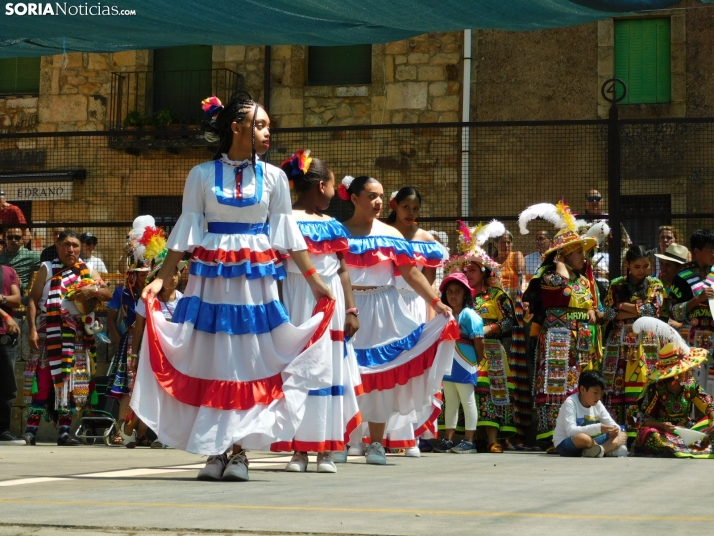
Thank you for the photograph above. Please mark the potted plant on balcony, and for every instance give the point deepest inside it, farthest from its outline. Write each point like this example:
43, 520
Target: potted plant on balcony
133, 121
163, 118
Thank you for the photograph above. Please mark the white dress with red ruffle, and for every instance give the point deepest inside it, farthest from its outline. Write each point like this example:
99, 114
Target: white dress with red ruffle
401, 360
230, 368
332, 413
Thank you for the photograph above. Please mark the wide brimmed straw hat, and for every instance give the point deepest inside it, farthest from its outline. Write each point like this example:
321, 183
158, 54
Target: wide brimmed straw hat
674, 253
568, 241
675, 357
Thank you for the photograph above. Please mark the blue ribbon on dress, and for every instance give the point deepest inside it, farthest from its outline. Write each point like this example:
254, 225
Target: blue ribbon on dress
227, 227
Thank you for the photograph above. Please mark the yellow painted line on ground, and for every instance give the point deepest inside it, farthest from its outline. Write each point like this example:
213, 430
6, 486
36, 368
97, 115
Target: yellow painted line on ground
284, 508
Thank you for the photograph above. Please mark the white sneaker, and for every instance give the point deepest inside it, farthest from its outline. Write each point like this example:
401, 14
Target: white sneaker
340, 456
298, 463
237, 468
356, 450
596, 451
214, 468
413, 452
374, 454
619, 452
325, 463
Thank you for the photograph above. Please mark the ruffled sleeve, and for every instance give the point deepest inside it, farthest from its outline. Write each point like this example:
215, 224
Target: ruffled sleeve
324, 237
284, 231
429, 254
366, 251
190, 228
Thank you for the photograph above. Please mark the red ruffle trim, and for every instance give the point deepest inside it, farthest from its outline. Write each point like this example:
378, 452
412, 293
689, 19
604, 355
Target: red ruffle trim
373, 257
220, 394
388, 379
427, 263
325, 247
430, 424
319, 446
234, 256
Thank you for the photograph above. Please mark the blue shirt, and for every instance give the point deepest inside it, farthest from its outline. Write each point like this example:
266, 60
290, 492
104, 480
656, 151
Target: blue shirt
123, 301
464, 369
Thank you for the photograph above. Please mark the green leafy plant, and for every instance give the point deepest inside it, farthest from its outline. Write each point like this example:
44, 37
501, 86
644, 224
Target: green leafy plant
163, 118
133, 119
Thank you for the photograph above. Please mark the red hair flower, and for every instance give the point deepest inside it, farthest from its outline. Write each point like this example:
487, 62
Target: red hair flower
343, 193
393, 204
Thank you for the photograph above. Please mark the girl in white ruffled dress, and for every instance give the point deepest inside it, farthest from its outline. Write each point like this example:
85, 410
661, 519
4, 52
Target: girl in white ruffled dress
229, 371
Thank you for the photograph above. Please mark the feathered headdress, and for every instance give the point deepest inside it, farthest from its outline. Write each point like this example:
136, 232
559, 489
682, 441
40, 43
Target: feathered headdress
469, 246
144, 243
559, 215
674, 356
599, 231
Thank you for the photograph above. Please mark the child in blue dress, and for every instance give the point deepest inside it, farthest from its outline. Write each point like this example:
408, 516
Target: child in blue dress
459, 385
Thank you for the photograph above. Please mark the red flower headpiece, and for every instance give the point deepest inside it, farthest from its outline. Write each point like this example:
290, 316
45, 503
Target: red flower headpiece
342, 188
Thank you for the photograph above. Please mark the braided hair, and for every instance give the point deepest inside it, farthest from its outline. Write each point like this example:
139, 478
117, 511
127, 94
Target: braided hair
304, 182
219, 128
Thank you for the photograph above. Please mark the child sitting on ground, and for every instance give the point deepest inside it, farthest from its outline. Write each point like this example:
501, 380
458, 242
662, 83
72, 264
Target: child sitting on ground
584, 427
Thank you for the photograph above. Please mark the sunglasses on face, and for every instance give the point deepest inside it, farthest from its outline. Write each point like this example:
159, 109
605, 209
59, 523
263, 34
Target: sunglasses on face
15, 238
594, 198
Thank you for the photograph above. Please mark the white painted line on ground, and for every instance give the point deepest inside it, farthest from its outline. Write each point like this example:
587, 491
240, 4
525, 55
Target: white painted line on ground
34, 480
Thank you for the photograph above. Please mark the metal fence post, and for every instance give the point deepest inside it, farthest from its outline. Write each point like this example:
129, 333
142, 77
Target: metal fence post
610, 90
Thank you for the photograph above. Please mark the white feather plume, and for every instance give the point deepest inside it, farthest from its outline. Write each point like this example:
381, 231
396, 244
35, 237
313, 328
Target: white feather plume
492, 229
664, 331
546, 211
600, 230
394, 194
347, 180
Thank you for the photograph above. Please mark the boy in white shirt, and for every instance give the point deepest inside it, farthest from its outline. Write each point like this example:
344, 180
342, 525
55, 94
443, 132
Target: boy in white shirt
584, 427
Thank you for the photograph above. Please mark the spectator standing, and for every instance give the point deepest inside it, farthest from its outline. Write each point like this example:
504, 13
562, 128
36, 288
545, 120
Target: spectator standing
9, 330
10, 214
512, 263
22, 260
594, 203
50, 252
89, 244
666, 236
543, 241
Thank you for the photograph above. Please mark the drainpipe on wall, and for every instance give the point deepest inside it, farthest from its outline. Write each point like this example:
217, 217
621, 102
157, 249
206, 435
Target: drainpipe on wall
465, 131
266, 80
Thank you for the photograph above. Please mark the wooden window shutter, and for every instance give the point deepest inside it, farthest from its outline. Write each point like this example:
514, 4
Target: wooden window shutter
20, 76
643, 59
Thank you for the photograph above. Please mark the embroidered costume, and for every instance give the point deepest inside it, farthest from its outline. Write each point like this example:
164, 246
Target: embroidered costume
629, 358
659, 404
331, 413
567, 344
687, 284
401, 360
230, 368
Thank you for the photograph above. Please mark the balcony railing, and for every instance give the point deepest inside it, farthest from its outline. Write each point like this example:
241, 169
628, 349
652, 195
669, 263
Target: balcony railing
164, 98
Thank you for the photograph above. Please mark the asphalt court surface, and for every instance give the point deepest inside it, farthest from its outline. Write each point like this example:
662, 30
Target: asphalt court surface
102, 490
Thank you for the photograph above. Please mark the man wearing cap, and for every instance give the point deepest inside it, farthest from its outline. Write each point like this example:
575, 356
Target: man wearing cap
692, 309
10, 214
89, 243
24, 261
670, 263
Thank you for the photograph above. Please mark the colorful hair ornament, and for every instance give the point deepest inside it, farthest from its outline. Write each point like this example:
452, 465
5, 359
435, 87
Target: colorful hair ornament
211, 106
300, 162
343, 187
393, 201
